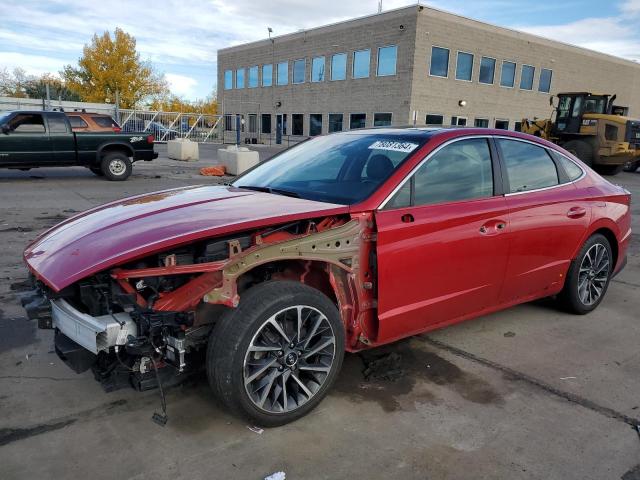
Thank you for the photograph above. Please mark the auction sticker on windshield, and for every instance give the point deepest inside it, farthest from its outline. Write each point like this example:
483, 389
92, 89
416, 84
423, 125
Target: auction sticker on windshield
405, 147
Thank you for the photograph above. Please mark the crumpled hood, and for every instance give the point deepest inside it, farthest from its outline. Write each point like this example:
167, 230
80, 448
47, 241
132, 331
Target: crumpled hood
134, 227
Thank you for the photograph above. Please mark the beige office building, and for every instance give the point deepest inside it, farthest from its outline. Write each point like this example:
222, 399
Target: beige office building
414, 65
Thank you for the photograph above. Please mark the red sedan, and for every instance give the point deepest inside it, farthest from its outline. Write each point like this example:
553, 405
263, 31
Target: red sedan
345, 242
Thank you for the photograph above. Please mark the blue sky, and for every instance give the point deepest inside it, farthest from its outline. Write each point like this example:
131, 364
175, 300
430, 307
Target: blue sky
180, 37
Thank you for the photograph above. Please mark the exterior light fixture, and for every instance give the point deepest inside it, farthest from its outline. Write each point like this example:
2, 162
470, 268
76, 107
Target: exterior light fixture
462, 103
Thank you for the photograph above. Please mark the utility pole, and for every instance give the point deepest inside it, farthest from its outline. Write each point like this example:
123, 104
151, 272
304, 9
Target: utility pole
379, 6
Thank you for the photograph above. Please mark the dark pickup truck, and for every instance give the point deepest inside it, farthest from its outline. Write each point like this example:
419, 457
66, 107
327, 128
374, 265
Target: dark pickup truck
44, 139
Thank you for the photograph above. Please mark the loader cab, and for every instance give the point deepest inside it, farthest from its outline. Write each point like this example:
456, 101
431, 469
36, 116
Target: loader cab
572, 106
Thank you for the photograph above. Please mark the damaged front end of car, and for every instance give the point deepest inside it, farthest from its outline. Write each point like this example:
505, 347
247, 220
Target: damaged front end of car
147, 322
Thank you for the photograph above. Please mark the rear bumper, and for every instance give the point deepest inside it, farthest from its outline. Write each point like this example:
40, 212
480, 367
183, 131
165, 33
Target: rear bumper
146, 155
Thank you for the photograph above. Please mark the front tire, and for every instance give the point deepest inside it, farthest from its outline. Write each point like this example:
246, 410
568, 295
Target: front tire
116, 166
608, 169
582, 149
588, 277
274, 357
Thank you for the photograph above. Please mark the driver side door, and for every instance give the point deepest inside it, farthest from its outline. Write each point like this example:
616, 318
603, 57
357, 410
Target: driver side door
442, 241
27, 144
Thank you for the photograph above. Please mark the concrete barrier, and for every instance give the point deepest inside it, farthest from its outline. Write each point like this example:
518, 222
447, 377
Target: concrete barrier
237, 159
183, 149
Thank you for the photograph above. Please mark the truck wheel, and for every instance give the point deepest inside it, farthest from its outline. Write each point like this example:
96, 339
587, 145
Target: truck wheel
608, 169
116, 166
274, 358
588, 276
581, 149
632, 166
97, 171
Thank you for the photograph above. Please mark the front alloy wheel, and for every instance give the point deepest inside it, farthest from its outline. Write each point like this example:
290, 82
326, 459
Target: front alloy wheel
274, 357
289, 359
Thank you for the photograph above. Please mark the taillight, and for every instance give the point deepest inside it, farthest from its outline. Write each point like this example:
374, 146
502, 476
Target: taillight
117, 129
151, 139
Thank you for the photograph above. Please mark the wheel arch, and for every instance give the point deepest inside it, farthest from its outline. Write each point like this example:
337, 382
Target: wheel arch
107, 148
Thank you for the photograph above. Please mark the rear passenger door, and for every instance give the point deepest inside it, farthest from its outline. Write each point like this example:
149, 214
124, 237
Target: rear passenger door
546, 220
62, 140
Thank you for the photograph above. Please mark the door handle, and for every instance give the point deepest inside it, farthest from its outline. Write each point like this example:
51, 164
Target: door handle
407, 218
576, 212
493, 227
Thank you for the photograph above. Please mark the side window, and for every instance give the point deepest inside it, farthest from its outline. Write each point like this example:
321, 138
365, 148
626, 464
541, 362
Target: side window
529, 167
27, 123
573, 171
460, 171
77, 121
57, 124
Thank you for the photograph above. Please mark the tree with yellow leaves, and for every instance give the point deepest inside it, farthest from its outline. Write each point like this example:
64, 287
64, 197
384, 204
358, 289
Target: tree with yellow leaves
109, 65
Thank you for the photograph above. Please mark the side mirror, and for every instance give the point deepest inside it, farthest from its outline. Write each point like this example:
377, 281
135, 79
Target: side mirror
6, 129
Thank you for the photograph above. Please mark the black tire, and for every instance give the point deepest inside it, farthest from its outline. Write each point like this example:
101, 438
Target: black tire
582, 149
116, 166
632, 166
608, 169
97, 171
570, 296
229, 359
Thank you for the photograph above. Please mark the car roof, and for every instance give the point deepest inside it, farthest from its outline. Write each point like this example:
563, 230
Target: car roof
422, 133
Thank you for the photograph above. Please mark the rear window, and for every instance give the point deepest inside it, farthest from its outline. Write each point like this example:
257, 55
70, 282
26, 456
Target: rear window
103, 121
76, 121
573, 171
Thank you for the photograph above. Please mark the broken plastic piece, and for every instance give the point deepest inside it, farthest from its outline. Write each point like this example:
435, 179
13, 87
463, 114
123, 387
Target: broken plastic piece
213, 171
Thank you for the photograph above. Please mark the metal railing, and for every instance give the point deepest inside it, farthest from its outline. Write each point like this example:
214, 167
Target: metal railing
203, 128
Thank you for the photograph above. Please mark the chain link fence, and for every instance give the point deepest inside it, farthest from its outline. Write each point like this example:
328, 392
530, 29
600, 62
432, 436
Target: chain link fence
165, 126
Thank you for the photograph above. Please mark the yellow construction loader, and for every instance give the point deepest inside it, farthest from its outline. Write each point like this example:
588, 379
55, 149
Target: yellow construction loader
589, 126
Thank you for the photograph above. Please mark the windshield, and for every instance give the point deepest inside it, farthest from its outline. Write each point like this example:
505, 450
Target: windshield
340, 168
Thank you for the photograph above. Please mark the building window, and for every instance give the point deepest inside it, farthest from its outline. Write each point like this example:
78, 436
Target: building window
361, 61
487, 70
508, 74
267, 75
315, 124
283, 73
228, 122
439, 62
517, 126
240, 78
265, 126
481, 123
544, 84
464, 66
299, 70
339, 66
335, 122
502, 124
228, 79
358, 120
253, 123
297, 124
458, 121
381, 119
253, 77
434, 119
387, 59
526, 77
317, 69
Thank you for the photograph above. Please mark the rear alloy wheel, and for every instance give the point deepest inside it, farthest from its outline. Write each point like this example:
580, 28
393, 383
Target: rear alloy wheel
116, 166
589, 276
274, 358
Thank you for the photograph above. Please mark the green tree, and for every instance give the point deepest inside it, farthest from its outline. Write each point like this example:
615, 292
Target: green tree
112, 64
37, 88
